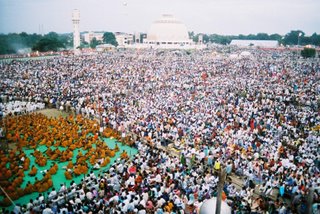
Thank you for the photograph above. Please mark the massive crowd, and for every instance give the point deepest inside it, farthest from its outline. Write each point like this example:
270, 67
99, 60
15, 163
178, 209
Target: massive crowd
259, 115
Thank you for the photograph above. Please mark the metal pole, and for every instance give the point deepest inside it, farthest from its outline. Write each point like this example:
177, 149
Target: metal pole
310, 200
8, 196
222, 178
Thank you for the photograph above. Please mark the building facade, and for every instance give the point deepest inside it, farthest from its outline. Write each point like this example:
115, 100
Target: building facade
87, 37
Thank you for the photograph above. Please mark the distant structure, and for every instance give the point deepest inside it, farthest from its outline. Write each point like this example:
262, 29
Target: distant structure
255, 43
168, 32
124, 39
76, 32
137, 37
105, 47
165, 33
200, 39
87, 37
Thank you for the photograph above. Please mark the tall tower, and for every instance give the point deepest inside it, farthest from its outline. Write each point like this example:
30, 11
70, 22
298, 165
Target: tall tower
76, 32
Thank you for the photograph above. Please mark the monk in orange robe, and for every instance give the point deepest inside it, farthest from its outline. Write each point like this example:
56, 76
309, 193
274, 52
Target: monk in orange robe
33, 171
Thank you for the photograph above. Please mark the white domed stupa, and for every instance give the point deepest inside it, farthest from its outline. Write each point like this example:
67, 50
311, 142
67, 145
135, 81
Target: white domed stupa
168, 32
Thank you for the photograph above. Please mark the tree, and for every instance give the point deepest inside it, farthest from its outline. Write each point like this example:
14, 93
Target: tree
13, 43
4, 48
52, 42
251, 37
94, 42
66, 39
308, 52
191, 35
275, 37
52, 35
205, 38
262, 36
109, 38
219, 39
48, 44
294, 37
194, 38
315, 39
33, 38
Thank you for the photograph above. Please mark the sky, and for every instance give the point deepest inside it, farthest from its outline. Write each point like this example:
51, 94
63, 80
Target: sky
226, 17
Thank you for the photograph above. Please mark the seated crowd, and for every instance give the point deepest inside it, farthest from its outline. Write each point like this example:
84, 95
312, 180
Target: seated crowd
258, 116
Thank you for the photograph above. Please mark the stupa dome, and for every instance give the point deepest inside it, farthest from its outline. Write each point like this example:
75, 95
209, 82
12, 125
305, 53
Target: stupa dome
168, 29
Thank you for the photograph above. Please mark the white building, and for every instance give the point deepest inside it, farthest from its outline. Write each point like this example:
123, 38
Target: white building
255, 43
124, 39
168, 32
87, 37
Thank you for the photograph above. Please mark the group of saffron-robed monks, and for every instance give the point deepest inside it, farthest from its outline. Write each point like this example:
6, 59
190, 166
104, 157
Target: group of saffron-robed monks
61, 137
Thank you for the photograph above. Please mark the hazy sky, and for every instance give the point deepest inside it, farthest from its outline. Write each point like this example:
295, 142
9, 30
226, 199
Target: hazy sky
202, 16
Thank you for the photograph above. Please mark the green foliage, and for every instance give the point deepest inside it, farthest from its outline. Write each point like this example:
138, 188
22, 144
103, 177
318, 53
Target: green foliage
66, 39
52, 35
291, 38
308, 52
298, 37
191, 34
315, 39
94, 42
275, 36
12, 43
48, 44
51, 42
219, 39
109, 38
4, 47
263, 36
206, 38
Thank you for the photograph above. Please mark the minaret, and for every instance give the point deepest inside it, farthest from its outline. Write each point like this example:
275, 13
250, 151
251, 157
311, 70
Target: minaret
76, 32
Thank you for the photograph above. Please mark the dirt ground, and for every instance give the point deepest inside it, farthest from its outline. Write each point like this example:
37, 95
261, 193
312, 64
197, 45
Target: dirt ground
53, 112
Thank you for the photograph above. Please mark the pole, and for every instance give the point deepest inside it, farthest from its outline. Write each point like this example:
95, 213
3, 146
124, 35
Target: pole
310, 201
8, 196
222, 178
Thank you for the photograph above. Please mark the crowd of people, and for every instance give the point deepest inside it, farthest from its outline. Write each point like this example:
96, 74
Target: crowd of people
17, 107
259, 115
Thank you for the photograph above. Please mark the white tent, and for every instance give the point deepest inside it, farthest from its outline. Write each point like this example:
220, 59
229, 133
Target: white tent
255, 43
105, 47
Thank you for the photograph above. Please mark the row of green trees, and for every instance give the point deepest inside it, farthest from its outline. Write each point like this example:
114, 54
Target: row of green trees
14, 43
295, 37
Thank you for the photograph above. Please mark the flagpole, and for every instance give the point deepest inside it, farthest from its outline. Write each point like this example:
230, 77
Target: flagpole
8, 196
